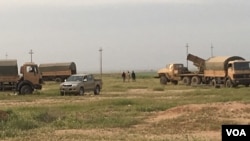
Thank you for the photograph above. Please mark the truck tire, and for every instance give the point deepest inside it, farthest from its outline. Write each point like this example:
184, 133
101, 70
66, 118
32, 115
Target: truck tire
186, 80
214, 84
175, 82
97, 90
195, 80
58, 79
62, 93
163, 80
26, 89
228, 83
81, 91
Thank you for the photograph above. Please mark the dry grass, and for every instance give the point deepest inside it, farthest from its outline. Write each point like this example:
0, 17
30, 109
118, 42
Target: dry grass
134, 111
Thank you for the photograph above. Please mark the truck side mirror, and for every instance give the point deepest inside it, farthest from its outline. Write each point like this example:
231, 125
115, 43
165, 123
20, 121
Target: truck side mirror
85, 80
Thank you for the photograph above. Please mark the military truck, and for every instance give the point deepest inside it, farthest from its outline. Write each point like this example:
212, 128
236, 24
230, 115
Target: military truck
57, 71
229, 71
29, 80
78, 84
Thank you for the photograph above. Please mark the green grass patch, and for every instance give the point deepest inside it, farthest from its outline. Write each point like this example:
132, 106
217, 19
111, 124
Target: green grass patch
121, 112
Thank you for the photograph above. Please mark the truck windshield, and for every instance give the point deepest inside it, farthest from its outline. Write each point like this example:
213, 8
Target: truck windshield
74, 78
242, 65
177, 66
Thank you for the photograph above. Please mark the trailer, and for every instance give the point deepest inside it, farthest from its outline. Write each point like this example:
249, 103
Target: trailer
29, 80
57, 71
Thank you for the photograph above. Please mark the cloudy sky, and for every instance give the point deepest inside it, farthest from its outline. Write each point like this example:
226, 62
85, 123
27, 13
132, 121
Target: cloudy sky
134, 34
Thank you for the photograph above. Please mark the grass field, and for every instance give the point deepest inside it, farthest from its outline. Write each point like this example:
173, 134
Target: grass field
132, 111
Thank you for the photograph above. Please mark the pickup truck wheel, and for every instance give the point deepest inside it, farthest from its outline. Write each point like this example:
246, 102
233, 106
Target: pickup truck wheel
97, 90
62, 93
26, 89
81, 91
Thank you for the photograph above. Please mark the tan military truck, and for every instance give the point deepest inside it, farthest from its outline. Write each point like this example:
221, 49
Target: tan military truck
78, 84
57, 71
29, 80
230, 71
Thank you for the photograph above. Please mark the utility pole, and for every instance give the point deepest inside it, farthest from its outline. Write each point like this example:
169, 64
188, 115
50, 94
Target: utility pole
100, 50
187, 53
31, 53
212, 50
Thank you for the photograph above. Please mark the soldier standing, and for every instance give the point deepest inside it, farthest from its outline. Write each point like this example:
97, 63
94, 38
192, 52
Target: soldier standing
123, 76
133, 76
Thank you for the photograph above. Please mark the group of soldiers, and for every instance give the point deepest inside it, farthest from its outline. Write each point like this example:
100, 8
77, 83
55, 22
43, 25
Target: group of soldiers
128, 76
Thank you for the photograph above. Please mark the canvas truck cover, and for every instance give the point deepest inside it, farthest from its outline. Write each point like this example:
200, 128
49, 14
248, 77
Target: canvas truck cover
50, 67
8, 68
220, 62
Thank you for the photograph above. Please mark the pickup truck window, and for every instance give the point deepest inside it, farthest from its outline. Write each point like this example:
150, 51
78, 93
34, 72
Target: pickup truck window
90, 77
75, 78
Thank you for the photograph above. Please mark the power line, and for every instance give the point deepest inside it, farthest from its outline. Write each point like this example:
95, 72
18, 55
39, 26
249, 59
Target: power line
212, 54
100, 50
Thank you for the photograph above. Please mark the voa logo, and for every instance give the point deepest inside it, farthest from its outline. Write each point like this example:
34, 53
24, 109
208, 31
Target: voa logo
236, 132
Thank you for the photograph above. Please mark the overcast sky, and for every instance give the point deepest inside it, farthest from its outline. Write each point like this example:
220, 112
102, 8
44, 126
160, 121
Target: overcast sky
134, 34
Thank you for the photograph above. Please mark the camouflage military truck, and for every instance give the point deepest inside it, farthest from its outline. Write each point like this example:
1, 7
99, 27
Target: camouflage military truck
57, 71
229, 71
29, 80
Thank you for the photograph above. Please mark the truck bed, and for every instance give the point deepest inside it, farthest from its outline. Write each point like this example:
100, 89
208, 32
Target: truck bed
4, 79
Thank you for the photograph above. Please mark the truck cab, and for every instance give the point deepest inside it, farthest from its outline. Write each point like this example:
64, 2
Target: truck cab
31, 78
238, 72
171, 73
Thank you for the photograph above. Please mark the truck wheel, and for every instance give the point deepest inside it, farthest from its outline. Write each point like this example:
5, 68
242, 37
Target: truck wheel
26, 89
214, 84
97, 90
175, 82
163, 80
195, 80
58, 80
228, 83
186, 80
62, 93
81, 91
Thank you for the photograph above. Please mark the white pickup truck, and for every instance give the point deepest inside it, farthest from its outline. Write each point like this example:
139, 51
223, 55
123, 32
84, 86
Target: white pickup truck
78, 84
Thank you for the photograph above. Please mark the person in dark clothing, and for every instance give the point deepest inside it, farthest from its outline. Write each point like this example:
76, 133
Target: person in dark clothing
133, 76
123, 76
